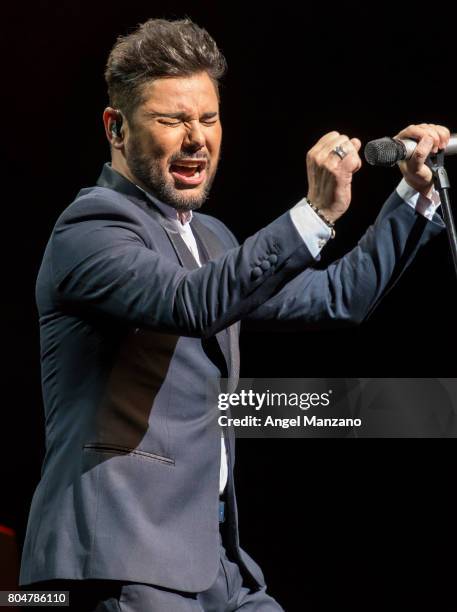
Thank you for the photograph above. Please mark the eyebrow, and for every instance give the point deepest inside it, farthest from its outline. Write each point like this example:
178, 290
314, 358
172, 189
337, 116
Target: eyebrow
178, 115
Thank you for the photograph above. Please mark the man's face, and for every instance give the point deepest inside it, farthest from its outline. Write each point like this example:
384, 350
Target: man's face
174, 140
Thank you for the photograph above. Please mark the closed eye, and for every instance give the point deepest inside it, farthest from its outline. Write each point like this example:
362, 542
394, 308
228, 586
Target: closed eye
175, 123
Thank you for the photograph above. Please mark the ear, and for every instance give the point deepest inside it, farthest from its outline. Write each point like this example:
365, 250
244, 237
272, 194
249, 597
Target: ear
112, 120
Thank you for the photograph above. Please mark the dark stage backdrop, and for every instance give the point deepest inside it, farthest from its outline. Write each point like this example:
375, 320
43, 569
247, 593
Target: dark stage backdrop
335, 525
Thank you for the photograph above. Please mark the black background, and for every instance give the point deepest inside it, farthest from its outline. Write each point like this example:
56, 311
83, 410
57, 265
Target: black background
335, 525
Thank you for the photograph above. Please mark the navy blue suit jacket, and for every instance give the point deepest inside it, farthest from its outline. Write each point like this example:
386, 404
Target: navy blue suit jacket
134, 340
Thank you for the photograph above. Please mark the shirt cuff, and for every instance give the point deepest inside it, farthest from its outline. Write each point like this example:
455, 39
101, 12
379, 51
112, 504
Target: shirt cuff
314, 232
424, 206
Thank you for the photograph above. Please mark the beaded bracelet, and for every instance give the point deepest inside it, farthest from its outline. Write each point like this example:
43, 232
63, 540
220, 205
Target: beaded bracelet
327, 222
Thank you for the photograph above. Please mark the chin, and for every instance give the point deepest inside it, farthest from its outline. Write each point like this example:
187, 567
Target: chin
187, 198
184, 206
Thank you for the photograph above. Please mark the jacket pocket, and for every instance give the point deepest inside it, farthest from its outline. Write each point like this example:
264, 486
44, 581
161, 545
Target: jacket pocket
116, 449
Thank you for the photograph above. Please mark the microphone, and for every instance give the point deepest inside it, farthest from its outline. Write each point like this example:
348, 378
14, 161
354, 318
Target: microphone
386, 152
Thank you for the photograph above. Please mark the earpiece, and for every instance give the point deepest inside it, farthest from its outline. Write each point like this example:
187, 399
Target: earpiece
116, 125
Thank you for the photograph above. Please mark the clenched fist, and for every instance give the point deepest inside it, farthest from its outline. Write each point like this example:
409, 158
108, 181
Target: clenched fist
330, 174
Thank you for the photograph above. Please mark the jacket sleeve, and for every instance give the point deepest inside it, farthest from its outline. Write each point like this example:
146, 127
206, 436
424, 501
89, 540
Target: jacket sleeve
101, 263
348, 290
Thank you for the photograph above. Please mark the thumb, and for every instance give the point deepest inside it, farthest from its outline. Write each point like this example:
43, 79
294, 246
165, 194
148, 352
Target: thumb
357, 144
421, 152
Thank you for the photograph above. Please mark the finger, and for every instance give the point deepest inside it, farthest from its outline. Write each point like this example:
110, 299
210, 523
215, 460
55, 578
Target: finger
431, 130
357, 144
323, 141
421, 152
351, 162
416, 132
444, 135
338, 141
320, 154
330, 135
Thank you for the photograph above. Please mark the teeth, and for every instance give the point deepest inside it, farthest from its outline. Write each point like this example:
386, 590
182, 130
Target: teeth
197, 174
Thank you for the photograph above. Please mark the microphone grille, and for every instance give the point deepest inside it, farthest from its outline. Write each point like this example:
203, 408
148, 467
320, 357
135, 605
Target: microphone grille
383, 152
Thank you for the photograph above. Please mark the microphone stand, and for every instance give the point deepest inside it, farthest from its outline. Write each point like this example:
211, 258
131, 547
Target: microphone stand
442, 185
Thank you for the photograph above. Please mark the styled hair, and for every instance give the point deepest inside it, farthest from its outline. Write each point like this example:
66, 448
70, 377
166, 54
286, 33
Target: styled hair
159, 48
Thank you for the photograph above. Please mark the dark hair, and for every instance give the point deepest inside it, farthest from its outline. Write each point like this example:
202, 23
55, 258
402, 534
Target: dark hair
159, 48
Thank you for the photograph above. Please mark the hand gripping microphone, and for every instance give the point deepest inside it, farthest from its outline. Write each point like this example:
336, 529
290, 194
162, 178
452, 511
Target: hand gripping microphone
387, 152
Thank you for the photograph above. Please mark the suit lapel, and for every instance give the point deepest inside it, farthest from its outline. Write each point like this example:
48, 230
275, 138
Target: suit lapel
215, 249
184, 255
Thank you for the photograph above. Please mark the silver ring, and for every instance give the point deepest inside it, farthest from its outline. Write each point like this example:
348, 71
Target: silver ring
340, 152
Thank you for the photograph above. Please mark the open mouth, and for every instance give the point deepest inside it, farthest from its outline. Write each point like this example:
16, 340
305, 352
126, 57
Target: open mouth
189, 172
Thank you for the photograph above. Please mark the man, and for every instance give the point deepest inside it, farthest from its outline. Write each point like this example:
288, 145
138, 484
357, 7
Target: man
140, 300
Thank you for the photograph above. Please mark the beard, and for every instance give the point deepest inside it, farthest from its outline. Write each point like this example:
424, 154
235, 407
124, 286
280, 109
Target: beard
151, 175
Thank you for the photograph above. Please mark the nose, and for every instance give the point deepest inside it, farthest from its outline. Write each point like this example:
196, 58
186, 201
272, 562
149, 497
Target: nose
195, 138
